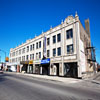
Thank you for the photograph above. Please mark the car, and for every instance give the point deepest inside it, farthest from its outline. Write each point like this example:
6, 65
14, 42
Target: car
1, 71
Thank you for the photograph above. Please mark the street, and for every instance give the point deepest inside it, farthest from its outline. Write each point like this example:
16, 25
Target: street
17, 87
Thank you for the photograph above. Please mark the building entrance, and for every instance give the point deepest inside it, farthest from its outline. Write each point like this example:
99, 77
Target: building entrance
37, 68
31, 68
57, 68
45, 69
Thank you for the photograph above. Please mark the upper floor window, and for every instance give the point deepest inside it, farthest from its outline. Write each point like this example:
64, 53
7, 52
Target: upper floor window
54, 52
48, 53
59, 51
27, 57
40, 44
33, 46
23, 51
23, 58
16, 53
48, 41
69, 49
58, 37
69, 34
37, 45
54, 39
27, 48
32, 56
39, 54
19, 59
19, 51
30, 47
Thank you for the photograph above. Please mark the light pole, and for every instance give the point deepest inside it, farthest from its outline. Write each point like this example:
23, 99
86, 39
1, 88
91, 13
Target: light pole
3, 52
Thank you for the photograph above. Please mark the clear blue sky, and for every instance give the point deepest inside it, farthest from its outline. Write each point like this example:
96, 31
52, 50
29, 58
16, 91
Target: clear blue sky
22, 19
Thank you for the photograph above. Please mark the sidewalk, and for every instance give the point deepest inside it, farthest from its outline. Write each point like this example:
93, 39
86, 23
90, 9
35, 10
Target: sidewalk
52, 78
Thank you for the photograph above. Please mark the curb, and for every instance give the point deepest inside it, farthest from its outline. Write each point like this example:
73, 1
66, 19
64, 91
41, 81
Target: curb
57, 79
97, 82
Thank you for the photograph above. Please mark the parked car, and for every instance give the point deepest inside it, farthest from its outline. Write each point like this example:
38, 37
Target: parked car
1, 72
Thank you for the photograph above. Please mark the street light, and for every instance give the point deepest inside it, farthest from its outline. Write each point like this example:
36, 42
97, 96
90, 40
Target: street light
3, 52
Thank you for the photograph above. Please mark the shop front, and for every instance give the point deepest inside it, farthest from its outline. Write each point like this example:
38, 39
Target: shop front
45, 63
24, 67
37, 65
71, 70
30, 67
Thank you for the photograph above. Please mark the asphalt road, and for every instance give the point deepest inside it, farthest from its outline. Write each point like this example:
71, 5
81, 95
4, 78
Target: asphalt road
17, 87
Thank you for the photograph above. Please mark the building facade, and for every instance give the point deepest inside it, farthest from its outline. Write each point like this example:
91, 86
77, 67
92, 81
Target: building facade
59, 51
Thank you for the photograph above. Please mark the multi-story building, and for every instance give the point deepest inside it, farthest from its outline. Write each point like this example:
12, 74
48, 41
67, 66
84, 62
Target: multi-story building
61, 51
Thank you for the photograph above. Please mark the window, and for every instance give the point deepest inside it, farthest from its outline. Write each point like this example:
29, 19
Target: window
59, 51
16, 53
69, 49
24, 58
19, 51
48, 41
19, 59
39, 54
69, 34
30, 47
36, 55
27, 57
33, 46
54, 52
32, 56
58, 37
40, 44
48, 53
16, 60
37, 45
27, 48
23, 51
54, 39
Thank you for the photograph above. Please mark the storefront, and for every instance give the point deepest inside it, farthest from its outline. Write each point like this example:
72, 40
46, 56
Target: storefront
45, 66
70, 69
37, 65
30, 67
25, 66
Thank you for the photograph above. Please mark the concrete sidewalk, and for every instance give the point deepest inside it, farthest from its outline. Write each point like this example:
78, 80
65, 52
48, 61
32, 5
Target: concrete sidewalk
52, 78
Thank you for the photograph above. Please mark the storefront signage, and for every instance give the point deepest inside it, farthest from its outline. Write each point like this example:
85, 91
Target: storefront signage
37, 61
31, 62
45, 61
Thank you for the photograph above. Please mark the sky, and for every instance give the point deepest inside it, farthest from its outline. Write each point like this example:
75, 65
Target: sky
21, 20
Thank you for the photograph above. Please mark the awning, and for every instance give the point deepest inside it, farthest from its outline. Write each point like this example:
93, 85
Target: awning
45, 61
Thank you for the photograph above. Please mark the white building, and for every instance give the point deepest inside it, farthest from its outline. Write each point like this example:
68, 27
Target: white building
65, 46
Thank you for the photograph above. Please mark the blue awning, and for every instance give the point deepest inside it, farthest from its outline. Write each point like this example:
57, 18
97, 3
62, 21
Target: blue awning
45, 61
